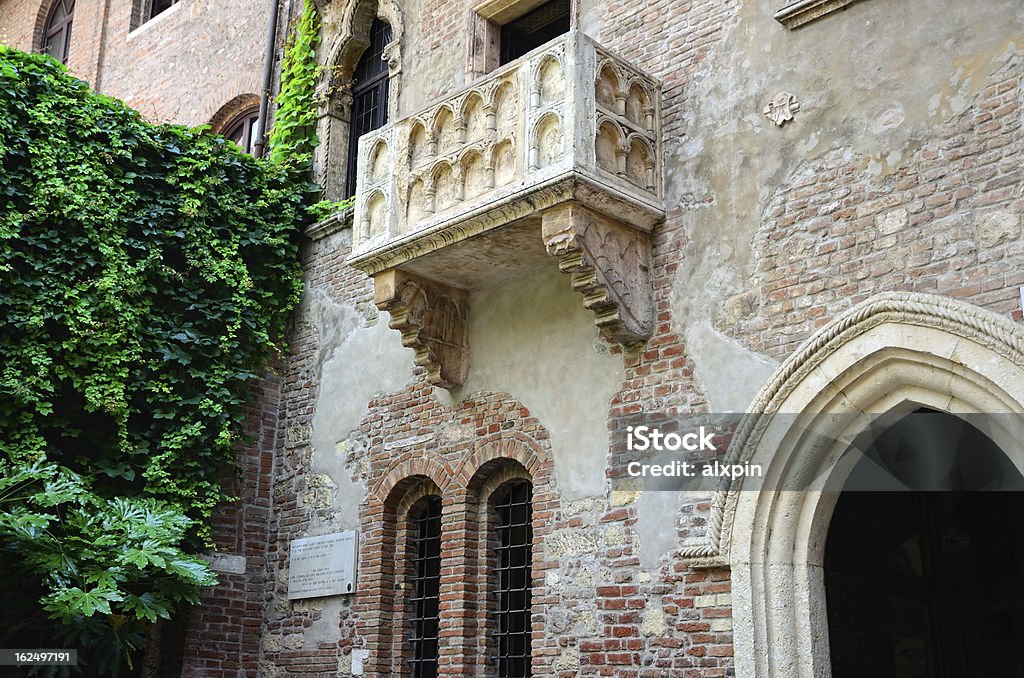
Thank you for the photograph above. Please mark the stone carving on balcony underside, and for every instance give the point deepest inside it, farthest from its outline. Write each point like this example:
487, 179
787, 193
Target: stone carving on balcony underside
566, 129
433, 320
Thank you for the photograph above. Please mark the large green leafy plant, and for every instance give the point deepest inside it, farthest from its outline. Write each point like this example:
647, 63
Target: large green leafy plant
145, 271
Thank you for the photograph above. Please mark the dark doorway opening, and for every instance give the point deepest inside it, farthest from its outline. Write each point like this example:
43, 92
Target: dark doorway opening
928, 584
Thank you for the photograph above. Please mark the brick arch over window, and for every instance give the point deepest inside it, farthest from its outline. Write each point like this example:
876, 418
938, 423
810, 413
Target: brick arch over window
335, 97
384, 557
230, 111
498, 460
47, 9
893, 353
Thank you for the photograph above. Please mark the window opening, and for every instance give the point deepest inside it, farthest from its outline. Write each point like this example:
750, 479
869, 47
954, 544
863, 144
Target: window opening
533, 29
243, 129
512, 559
159, 6
426, 588
57, 30
369, 96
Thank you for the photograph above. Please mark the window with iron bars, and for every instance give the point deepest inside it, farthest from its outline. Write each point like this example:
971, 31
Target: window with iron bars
512, 554
425, 547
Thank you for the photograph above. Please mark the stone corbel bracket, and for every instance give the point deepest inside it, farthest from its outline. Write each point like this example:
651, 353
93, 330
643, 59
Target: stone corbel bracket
433, 320
609, 264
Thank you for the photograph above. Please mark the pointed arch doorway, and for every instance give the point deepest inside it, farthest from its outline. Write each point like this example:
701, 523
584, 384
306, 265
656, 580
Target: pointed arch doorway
884, 359
923, 576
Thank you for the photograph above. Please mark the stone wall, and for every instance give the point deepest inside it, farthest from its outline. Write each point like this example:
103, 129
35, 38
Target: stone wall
898, 172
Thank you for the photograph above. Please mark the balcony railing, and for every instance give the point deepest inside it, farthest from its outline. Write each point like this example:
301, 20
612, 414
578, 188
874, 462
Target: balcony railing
569, 109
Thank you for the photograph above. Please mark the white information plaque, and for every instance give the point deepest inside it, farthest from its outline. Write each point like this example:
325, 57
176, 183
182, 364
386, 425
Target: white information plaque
323, 566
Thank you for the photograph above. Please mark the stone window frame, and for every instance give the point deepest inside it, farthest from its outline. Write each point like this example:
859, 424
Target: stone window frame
796, 13
334, 95
45, 26
483, 46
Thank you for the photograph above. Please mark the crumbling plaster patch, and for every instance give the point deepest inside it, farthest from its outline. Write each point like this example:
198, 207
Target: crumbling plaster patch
354, 363
533, 338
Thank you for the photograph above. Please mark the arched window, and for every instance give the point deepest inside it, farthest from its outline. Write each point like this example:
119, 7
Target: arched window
369, 95
425, 571
57, 30
242, 129
512, 516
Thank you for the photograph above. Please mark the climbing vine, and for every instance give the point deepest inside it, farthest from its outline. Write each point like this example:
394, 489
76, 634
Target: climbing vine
293, 136
145, 271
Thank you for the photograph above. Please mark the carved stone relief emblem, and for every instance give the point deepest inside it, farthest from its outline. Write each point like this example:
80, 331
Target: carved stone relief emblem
781, 108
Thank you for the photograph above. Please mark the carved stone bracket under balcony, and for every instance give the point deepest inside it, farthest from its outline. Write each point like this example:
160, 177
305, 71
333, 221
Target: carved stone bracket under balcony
556, 154
433, 320
610, 266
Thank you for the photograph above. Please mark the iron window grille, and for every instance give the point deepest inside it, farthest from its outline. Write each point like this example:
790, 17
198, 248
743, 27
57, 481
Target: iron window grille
425, 547
533, 29
369, 96
514, 535
57, 30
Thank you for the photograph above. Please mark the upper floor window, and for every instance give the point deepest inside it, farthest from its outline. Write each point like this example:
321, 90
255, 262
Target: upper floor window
57, 30
159, 6
513, 536
533, 29
369, 95
242, 130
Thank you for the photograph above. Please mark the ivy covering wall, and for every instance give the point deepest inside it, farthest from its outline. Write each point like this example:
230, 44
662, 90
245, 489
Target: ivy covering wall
145, 271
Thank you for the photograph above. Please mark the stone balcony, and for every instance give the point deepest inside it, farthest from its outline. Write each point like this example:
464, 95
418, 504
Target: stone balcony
557, 154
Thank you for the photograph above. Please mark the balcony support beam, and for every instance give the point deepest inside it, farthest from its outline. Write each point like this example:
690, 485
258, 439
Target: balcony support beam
609, 264
433, 320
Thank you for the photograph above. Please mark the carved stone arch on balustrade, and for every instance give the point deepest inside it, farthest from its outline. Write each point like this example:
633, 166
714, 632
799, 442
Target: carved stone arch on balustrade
419, 144
375, 220
548, 140
639, 104
505, 101
640, 161
503, 159
378, 162
549, 79
609, 87
474, 114
475, 177
444, 127
610, 146
447, 189
416, 202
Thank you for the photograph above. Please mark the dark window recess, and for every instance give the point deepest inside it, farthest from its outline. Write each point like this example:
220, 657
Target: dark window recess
57, 30
512, 560
426, 587
369, 96
242, 129
533, 29
158, 6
